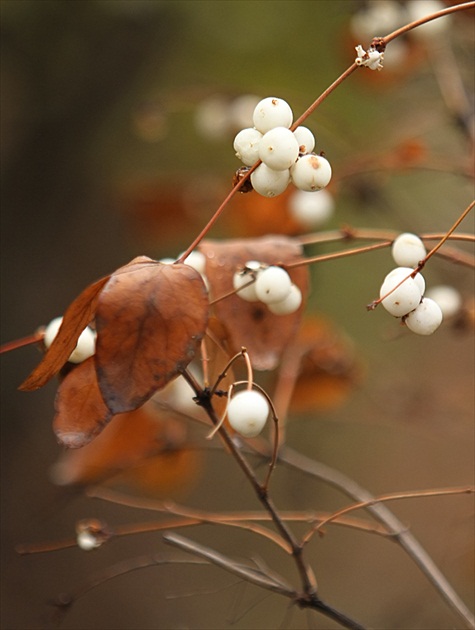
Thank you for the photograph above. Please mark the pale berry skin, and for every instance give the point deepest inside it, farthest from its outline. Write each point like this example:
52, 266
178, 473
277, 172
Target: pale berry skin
447, 297
278, 148
311, 209
197, 260
404, 298
272, 112
311, 172
408, 250
403, 272
247, 413
241, 278
305, 139
246, 145
85, 347
425, 318
87, 541
273, 285
268, 182
288, 305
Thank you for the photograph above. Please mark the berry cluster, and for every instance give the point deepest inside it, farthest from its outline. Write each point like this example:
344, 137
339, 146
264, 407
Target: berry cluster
286, 155
257, 282
403, 294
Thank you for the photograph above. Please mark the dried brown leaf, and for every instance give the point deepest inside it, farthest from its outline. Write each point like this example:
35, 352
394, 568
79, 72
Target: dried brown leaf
251, 324
78, 315
150, 319
80, 410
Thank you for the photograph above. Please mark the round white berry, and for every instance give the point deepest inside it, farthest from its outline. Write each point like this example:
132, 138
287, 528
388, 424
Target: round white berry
247, 412
246, 145
408, 250
273, 285
289, 304
197, 260
425, 318
447, 297
244, 277
85, 347
305, 139
272, 112
278, 148
241, 109
268, 182
311, 209
87, 541
405, 297
432, 29
311, 172
402, 272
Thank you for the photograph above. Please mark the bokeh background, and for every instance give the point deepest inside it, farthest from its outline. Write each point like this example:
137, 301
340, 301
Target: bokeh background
108, 153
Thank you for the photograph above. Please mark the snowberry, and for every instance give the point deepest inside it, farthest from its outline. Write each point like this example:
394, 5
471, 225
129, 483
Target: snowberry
425, 318
448, 298
244, 277
278, 148
272, 112
268, 182
86, 345
403, 272
311, 172
273, 285
408, 250
305, 139
87, 541
246, 145
197, 260
247, 412
289, 304
405, 297
432, 29
311, 209
241, 109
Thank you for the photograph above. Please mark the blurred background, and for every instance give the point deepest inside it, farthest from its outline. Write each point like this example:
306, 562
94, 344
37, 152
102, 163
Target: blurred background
118, 118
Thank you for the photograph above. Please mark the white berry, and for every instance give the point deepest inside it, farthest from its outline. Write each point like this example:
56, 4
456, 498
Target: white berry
273, 285
197, 260
311, 172
272, 112
246, 145
244, 277
403, 272
289, 304
404, 298
305, 139
85, 347
311, 209
247, 412
268, 182
408, 250
87, 541
447, 297
425, 318
278, 148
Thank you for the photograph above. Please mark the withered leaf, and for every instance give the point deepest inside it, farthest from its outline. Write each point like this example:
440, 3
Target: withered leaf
78, 315
142, 450
251, 324
329, 368
150, 319
80, 410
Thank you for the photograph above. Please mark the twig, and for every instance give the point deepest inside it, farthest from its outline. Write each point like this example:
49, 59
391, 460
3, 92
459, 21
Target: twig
400, 533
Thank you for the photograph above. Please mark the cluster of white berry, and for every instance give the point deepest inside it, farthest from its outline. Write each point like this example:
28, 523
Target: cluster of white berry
257, 282
286, 155
248, 411
403, 295
85, 347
